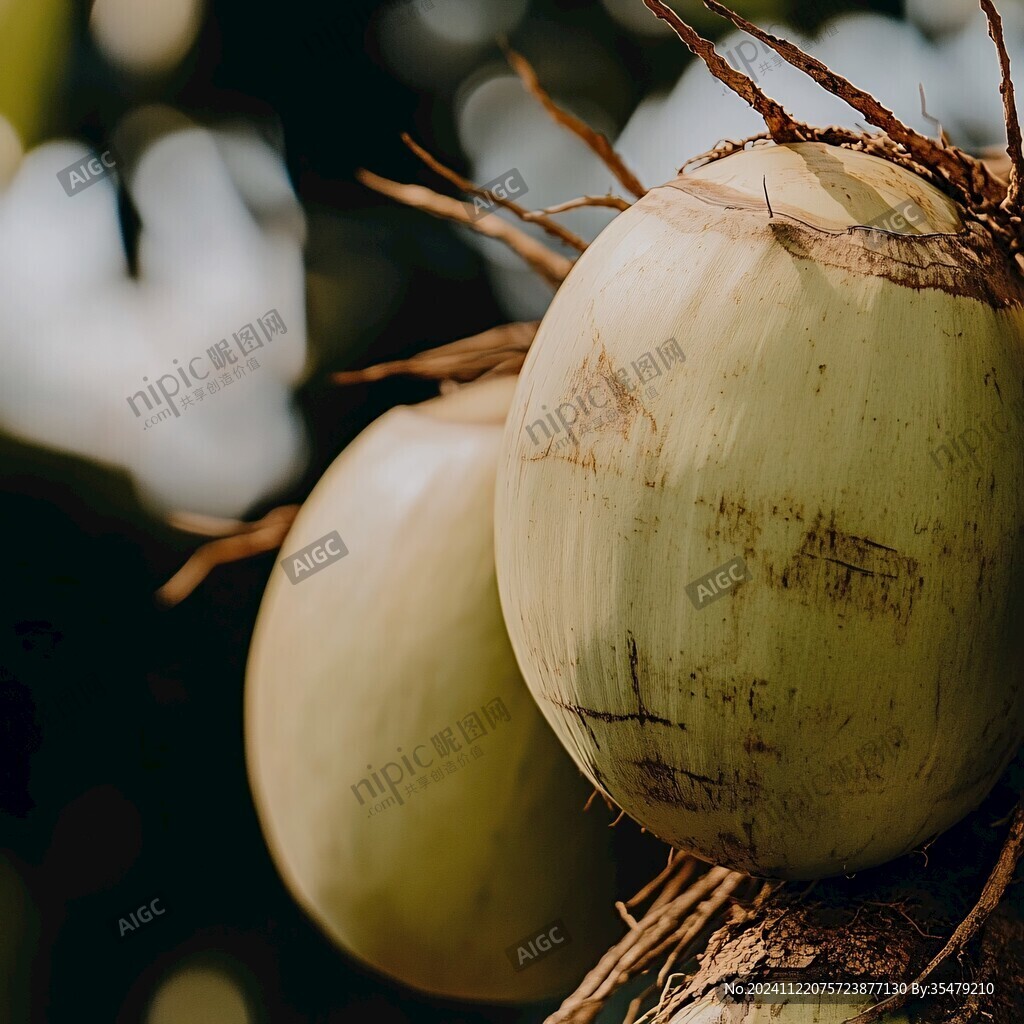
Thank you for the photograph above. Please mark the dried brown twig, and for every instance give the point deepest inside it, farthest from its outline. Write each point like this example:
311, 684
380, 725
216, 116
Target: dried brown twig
595, 140
548, 264
781, 125
499, 350
967, 176
994, 890
1013, 138
919, 146
679, 916
612, 202
944, 139
238, 540
550, 226
982, 196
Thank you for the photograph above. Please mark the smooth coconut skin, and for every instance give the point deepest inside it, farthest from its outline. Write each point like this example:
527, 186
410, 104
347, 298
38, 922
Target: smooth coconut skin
385, 649
861, 691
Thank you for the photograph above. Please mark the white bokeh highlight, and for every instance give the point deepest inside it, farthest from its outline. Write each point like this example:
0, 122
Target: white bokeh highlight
80, 334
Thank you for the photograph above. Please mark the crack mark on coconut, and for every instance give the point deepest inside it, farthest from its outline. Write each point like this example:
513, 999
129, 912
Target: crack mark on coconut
611, 717
845, 568
642, 716
966, 264
661, 781
712, 193
634, 661
855, 568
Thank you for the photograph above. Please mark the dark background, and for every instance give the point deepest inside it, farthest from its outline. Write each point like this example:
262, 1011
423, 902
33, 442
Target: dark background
122, 774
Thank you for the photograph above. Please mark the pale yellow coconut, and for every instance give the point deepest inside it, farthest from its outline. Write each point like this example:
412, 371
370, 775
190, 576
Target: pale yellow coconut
848, 421
369, 661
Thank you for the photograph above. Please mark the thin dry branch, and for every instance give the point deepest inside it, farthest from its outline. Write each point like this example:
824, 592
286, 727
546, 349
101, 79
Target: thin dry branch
549, 265
205, 526
671, 869
551, 227
610, 201
675, 885
636, 1004
254, 539
963, 172
673, 923
944, 139
496, 351
994, 890
597, 142
1013, 138
669, 923
688, 933
781, 125
660, 930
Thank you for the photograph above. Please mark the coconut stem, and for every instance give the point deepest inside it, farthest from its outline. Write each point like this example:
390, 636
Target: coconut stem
963, 172
1013, 137
781, 126
550, 265
991, 894
593, 139
550, 226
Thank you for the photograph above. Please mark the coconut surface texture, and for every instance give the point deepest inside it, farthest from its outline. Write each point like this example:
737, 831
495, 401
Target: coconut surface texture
769, 595
414, 799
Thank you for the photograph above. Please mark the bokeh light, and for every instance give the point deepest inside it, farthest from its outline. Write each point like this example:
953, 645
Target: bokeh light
199, 994
146, 36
